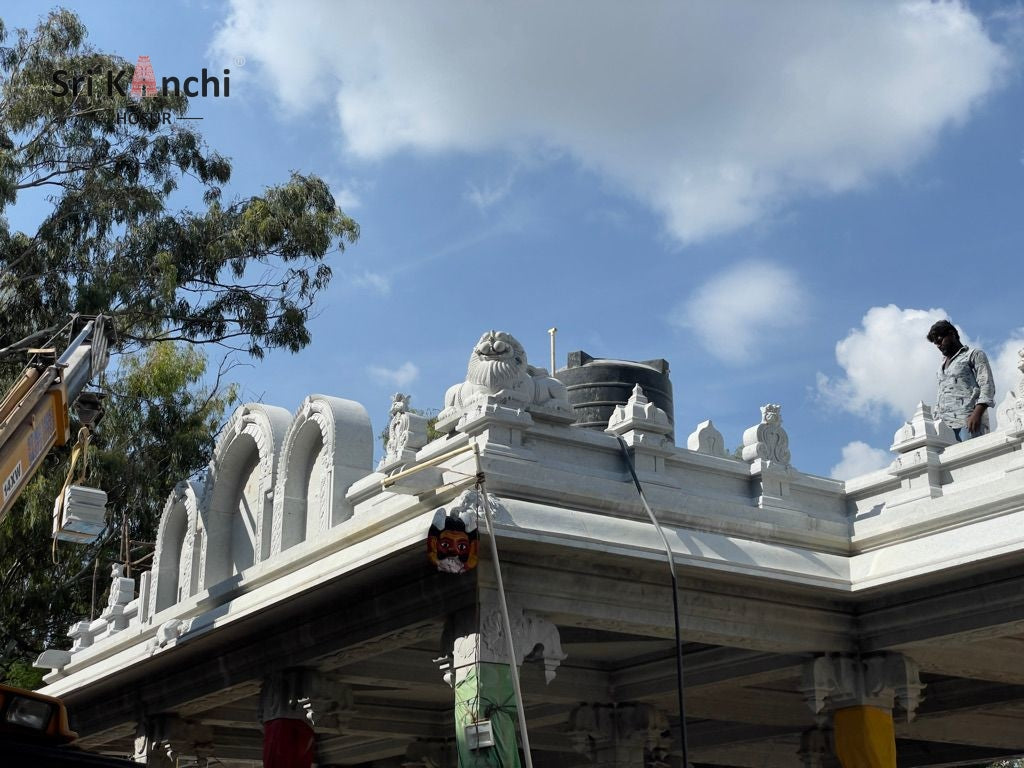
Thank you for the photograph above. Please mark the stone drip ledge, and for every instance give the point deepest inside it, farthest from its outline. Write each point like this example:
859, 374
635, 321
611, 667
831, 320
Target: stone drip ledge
882, 527
252, 590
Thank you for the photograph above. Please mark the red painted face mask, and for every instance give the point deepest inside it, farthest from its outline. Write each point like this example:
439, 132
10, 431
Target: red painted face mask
450, 547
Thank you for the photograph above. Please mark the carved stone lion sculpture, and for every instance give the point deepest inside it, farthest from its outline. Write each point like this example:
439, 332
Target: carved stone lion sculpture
498, 368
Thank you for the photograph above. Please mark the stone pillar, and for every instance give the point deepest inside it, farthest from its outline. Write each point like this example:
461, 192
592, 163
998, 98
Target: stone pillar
816, 750
860, 694
430, 753
621, 735
162, 740
293, 702
478, 669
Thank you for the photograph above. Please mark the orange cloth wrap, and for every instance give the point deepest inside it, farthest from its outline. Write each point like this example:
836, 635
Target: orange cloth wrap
865, 737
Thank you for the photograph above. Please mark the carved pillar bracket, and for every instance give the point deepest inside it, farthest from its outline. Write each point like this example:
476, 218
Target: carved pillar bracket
535, 639
621, 735
300, 693
883, 681
407, 433
164, 739
706, 439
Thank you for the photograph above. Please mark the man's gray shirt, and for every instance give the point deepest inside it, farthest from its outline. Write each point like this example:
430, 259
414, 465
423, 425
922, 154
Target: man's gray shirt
965, 382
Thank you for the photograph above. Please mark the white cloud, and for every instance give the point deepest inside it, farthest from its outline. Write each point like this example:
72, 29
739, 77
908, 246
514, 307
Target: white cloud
487, 195
714, 114
346, 198
733, 313
888, 365
859, 458
400, 377
373, 281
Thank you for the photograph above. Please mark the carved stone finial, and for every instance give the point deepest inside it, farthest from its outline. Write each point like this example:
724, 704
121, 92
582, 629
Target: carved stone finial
638, 414
498, 369
767, 441
706, 439
922, 431
407, 432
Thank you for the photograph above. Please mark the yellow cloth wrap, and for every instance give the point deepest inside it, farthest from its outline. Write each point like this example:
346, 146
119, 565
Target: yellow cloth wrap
865, 737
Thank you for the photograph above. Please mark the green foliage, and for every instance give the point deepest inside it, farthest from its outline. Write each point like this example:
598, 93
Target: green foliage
239, 273
244, 272
159, 429
21, 675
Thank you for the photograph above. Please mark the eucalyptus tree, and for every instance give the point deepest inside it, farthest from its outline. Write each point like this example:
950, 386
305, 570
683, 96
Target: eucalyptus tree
242, 273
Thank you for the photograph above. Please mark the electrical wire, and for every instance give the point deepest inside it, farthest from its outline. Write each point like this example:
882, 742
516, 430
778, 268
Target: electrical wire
675, 598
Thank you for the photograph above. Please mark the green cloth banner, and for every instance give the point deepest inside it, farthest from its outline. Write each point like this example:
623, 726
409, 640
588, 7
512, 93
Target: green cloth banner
487, 693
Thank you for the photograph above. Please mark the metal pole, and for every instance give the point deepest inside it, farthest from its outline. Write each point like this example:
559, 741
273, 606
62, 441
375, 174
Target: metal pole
551, 333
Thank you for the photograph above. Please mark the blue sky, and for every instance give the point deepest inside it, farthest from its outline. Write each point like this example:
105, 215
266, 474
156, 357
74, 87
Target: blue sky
778, 198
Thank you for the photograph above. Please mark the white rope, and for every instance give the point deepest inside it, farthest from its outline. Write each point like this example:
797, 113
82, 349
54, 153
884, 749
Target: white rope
513, 668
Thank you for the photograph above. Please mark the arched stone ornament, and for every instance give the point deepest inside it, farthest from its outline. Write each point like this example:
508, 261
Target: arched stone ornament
239, 491
706, 439
179, 544
328, 446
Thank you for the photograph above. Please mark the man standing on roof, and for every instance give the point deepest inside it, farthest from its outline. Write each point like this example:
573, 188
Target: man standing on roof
966, 389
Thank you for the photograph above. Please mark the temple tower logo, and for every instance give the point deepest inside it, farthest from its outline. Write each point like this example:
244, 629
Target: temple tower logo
144, 81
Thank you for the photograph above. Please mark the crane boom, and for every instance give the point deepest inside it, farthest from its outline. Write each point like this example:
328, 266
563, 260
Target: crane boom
34, 413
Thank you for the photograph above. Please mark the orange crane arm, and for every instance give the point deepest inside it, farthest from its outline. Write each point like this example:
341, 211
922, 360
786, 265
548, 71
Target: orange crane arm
34, 413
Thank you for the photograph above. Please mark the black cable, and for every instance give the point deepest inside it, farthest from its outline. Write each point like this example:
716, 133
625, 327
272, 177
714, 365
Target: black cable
675, 599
